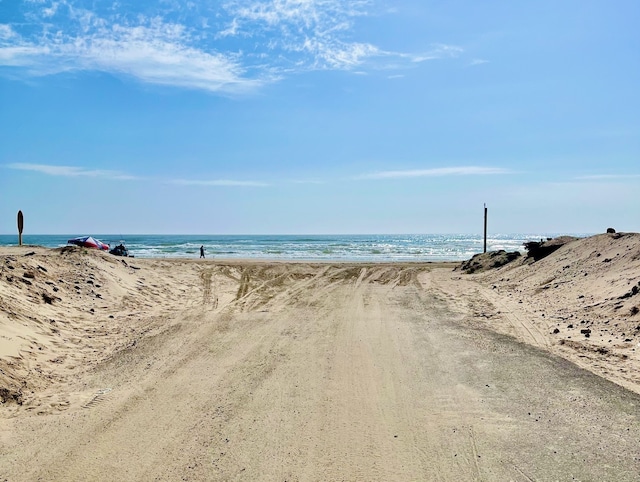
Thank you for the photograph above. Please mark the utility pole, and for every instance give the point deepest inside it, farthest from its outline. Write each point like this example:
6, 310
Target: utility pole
485, 228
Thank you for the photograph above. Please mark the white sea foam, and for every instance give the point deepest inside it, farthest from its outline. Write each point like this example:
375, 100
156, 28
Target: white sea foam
422, 247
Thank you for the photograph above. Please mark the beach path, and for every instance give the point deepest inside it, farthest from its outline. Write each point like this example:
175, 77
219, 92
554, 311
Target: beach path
360, 372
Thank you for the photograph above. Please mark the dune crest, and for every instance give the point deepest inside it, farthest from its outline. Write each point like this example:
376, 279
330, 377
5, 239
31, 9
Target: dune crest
581, 302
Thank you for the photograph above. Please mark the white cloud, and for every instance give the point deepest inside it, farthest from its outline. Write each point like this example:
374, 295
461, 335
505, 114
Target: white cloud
231, 30
6, 32
436, 172
306, 181
52, 10
320, 29
438, 51
74, 171
156, 53
303, 13
607, 177
233, 47
479, 62
218, 182
339, 57
71, 171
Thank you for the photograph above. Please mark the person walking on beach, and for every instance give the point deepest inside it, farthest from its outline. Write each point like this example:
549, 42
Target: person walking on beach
202, 251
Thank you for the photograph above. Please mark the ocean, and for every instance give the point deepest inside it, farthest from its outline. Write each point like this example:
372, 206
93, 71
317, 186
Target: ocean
374, 247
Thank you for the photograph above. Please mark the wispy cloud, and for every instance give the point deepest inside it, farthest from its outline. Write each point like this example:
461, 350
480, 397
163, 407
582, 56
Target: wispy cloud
230, 47
438, 51
71, 171
316, 34
307, 181
478, 62
75, 171
607, 177
6, 32
306, 34
218, 182
436, 172
151, 51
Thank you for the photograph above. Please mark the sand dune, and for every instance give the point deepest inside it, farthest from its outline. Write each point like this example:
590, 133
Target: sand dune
63, 311
582, 302
142, 369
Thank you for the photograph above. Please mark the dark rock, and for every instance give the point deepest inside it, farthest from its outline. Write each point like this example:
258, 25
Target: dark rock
47, 299
634, 291
556, 331
611, 231
7, 395
29, 274
485, 261
586, 331
541, 249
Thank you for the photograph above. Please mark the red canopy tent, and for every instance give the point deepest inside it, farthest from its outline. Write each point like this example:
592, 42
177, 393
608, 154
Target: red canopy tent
89, 242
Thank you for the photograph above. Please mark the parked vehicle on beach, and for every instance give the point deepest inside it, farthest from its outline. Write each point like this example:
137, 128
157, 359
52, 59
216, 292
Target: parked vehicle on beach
121, 250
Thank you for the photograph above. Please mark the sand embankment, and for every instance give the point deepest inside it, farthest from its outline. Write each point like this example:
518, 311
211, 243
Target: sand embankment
581, 302
63, 311
142, 369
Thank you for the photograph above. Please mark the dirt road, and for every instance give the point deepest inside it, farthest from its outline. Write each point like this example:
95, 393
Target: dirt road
282, 372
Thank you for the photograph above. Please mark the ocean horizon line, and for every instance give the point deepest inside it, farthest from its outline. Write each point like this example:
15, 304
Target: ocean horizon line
448, 233
319, 247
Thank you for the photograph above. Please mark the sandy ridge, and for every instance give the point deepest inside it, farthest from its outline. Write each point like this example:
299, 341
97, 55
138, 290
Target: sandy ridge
582, 303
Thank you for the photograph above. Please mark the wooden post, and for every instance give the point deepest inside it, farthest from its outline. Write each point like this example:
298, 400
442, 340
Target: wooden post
20, 227
485, 228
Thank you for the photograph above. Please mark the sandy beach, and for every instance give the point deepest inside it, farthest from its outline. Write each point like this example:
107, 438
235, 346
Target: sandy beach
158, 369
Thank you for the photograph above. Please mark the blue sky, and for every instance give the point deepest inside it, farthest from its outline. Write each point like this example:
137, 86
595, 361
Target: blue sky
319, 116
